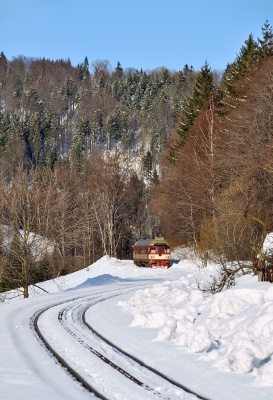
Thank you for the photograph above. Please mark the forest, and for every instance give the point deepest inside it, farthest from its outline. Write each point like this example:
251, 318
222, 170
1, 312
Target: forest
93, 158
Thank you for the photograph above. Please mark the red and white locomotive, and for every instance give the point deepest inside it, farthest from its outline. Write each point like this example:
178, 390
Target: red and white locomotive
152, 253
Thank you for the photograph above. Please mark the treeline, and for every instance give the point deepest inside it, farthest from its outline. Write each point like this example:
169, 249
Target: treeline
54, 222
59, 111
216, 192
69, 138
92, 160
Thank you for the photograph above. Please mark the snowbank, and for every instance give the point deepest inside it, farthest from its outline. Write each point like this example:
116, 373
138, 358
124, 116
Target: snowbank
99, 280
233, 328
124, 269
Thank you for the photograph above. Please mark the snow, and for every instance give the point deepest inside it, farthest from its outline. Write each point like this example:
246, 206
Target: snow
217, 345
267, 247
38, 244
233, 328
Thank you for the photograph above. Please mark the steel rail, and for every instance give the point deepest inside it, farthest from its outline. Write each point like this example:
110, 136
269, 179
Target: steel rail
137, 360
105, 359
61, 360
97, 353
76, 375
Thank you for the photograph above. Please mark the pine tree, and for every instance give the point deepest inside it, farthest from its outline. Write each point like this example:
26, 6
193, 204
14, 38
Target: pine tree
117, 89
119, 71
203, 85
181, 79
86, 66
101, 83
248, 56
148, 165
166, 78
83, 69
232, 83
266, 43
2, 56
82, 131
117, 125
5, 125
52, 154
201, 91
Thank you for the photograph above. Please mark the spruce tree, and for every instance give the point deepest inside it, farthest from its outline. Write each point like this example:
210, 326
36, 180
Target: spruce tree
101, 83
52, 154
82, 131
201, 91
181, 79
148, 165
248, 56
266, 43
246, 61
2, 55
166, 78
119, 70
5, 124
86, 66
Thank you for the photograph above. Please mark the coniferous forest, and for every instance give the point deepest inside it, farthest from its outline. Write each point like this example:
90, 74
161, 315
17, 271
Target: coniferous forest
93, 158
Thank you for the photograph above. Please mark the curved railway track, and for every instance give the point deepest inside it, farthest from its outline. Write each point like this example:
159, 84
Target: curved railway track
74, 314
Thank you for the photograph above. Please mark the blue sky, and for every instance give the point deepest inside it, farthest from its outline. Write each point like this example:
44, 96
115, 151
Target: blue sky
143, 34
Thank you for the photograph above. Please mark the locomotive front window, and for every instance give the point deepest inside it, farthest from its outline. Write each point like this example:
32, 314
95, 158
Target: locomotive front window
151, 250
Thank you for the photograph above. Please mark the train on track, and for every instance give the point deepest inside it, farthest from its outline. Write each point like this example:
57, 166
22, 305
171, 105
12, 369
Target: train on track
152, 253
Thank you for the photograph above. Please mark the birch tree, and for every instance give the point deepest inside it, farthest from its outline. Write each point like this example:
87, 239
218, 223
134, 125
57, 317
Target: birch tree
22, 208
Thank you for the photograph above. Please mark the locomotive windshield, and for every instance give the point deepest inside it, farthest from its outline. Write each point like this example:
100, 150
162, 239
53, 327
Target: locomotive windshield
158, 249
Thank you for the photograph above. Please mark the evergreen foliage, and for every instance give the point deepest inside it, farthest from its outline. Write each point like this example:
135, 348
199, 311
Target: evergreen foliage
124, 108
202, 88
119, 70
82, 131
245, 62
80, 141
218, 195
266, 43
148, 165
251, 54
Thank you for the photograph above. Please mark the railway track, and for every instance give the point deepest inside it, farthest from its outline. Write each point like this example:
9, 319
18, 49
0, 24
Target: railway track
71, 316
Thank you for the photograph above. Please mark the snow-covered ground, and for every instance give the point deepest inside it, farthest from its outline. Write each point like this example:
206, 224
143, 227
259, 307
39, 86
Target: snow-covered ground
219, 346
